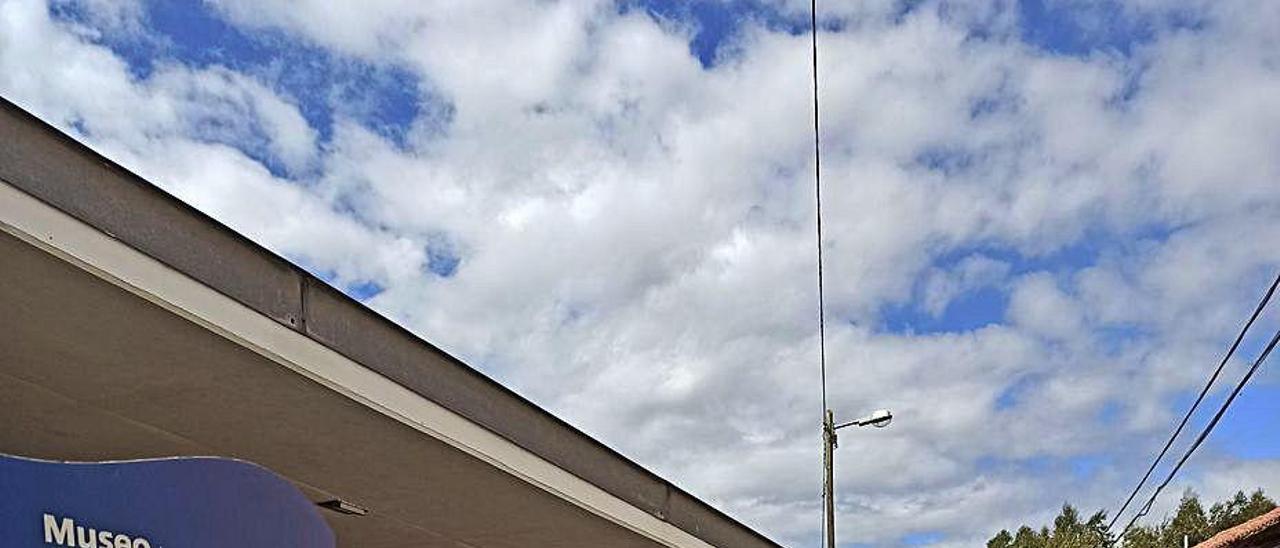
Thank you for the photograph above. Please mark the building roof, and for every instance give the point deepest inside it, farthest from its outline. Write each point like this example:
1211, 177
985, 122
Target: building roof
56, 170
1244, 532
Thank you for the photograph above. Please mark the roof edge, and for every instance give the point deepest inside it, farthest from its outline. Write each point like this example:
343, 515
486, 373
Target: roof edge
1244, 531
66, 174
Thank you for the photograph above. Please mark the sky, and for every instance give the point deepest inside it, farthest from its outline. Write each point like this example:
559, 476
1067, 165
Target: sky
1044, 220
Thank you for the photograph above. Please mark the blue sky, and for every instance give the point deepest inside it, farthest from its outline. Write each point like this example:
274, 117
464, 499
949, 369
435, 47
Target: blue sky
384, 97
1049, 212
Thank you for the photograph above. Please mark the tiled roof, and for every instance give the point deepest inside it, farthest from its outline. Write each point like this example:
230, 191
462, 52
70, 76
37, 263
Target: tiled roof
1241, 532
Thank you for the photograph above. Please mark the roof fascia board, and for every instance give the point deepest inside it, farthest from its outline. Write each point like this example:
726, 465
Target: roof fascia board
69, 239
66, 174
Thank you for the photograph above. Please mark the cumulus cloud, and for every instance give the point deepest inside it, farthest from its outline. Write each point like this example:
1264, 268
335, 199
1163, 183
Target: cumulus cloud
626, 235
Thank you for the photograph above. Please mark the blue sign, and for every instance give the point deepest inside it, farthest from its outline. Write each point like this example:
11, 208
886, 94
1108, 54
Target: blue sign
163, 503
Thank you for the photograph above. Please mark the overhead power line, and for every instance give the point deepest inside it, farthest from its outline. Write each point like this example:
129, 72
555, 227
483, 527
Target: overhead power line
1203, 392
817, 187
822, 308
1205, 433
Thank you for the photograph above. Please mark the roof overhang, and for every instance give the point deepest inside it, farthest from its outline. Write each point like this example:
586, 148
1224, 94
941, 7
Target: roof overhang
134, 327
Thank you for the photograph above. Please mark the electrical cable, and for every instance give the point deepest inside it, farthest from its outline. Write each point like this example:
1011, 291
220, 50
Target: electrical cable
1204, 433
817, 189
1203, 392
817, 185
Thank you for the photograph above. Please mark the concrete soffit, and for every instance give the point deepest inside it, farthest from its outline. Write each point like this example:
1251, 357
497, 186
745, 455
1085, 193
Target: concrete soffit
69, 239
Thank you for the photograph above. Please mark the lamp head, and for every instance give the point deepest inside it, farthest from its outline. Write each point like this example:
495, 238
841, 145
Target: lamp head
880, 418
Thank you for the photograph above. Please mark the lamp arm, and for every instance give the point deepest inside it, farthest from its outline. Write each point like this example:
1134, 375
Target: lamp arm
850, 423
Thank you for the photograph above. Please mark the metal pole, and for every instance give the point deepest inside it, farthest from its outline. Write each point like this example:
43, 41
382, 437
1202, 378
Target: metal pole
828, 486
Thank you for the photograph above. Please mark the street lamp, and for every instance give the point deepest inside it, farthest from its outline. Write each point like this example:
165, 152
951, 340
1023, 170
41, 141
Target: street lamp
879, 419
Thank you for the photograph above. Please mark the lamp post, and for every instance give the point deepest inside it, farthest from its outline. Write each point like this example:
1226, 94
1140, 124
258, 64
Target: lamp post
879, 419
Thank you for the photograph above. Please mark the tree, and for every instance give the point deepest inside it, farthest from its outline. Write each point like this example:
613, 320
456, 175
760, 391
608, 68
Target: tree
1189, 519
1029, 538
1143, 537
1002, 540
1068, 532
1241, 508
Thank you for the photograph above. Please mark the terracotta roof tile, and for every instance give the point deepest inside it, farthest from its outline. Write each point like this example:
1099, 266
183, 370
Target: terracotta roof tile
1243, 531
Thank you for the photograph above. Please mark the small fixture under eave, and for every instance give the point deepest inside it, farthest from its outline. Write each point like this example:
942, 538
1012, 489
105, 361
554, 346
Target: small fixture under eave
343, 507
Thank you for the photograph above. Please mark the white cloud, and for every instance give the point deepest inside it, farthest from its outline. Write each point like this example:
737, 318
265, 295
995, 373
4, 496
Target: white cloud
635, 232
178, 126
974, 272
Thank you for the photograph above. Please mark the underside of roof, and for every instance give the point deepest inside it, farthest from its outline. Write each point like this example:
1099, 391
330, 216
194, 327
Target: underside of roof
135, 326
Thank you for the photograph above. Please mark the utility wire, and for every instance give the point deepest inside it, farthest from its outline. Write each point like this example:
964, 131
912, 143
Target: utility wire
1205, 433
1203, 392
817, 186
817, 189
